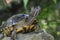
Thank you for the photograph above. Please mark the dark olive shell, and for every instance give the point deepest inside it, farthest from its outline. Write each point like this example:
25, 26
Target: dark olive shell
16, 18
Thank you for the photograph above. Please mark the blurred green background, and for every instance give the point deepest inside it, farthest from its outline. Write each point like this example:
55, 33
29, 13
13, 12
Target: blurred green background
48, 18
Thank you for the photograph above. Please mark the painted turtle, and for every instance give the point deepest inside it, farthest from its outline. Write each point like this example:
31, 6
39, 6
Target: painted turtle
21, 23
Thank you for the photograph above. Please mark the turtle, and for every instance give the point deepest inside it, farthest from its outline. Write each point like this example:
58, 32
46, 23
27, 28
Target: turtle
21, 23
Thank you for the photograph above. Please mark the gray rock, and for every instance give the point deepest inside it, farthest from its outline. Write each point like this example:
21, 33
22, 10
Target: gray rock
7, 38
33, 36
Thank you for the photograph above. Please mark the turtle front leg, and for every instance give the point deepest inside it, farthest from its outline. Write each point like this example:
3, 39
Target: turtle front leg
1, 36
13, 35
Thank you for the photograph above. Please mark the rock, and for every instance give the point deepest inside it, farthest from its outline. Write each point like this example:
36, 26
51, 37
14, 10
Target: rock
7, 38
43, 36
34, 36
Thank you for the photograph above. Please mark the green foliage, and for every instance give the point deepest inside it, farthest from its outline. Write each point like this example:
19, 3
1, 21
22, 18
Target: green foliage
25, 3
55, 1
48, 14
58, 33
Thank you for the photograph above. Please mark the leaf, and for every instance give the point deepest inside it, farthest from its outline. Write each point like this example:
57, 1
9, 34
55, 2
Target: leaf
25, 3
54, 1
58, 33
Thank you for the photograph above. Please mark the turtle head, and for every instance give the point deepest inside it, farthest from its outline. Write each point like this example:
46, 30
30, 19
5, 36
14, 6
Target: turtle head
34, 11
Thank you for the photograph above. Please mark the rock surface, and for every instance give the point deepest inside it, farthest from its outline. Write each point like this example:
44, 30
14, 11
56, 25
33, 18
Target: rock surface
33, 36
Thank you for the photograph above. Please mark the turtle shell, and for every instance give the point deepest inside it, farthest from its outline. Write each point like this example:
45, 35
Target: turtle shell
16, 18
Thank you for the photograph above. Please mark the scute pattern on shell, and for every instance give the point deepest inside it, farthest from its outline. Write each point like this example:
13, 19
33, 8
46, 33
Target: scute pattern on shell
16, 18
